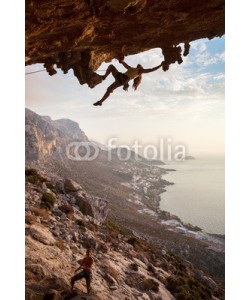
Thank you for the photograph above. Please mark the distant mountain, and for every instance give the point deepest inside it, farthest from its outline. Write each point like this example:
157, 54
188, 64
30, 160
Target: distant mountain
43, 136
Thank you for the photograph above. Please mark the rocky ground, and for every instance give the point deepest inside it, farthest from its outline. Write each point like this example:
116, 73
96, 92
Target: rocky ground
62, 220
99, 179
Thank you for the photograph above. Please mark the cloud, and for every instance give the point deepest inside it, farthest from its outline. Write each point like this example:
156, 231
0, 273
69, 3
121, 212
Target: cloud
206, 59
219, 76
199, 46
204, 55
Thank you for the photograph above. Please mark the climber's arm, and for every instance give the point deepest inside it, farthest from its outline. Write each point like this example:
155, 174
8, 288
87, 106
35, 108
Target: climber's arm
150, 70
124, 64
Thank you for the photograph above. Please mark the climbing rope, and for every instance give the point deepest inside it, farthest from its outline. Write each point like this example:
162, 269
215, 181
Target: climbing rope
45, 70
35, 72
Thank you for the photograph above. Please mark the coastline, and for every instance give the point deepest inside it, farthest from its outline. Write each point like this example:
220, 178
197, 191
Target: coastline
173, 222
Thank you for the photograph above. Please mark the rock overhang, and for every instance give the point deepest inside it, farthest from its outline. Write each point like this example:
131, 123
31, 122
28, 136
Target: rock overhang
81, 35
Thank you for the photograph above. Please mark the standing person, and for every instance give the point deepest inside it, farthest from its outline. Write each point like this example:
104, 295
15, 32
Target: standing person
85, 265
124, 78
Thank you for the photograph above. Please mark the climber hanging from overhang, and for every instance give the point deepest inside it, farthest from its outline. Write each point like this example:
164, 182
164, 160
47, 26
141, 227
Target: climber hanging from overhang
122, 79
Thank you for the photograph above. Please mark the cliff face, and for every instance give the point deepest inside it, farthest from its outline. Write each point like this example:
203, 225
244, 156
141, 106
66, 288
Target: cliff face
82, 34
43, 136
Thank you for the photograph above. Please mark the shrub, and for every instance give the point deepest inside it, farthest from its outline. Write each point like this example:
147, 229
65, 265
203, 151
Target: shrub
32, 179
150, 284
91, 227
41, 178
33, 176
48, 200
67, 209
115, 228
185, 287
133, 266
89, 243
151, 268
41, 212
32, 172
81, 224
132, 241
49, 185
83, 228
30, 219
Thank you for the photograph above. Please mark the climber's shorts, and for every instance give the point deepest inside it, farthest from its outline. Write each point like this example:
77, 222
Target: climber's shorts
124, 79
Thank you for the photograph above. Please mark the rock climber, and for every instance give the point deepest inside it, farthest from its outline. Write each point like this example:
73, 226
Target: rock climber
122, 79
86, 265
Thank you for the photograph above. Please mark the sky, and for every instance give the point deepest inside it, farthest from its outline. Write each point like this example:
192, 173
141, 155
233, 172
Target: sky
184, 105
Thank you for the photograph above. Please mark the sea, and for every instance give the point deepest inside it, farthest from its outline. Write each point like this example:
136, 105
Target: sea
198, 193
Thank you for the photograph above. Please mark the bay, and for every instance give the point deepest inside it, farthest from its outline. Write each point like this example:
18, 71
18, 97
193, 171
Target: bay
198, 193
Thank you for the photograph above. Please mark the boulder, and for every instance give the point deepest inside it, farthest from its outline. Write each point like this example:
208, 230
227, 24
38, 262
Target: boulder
75, 236
163, 252
31, 294
59, 186
140, 263
151, 268
144, 296
71, 186
198, 274
125, 247
92, 206
42, 234
77, 294
154, 296
34, 271
52, 295
110, 280
43, 186
210, 282
57, 212
102, 247
142, 258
